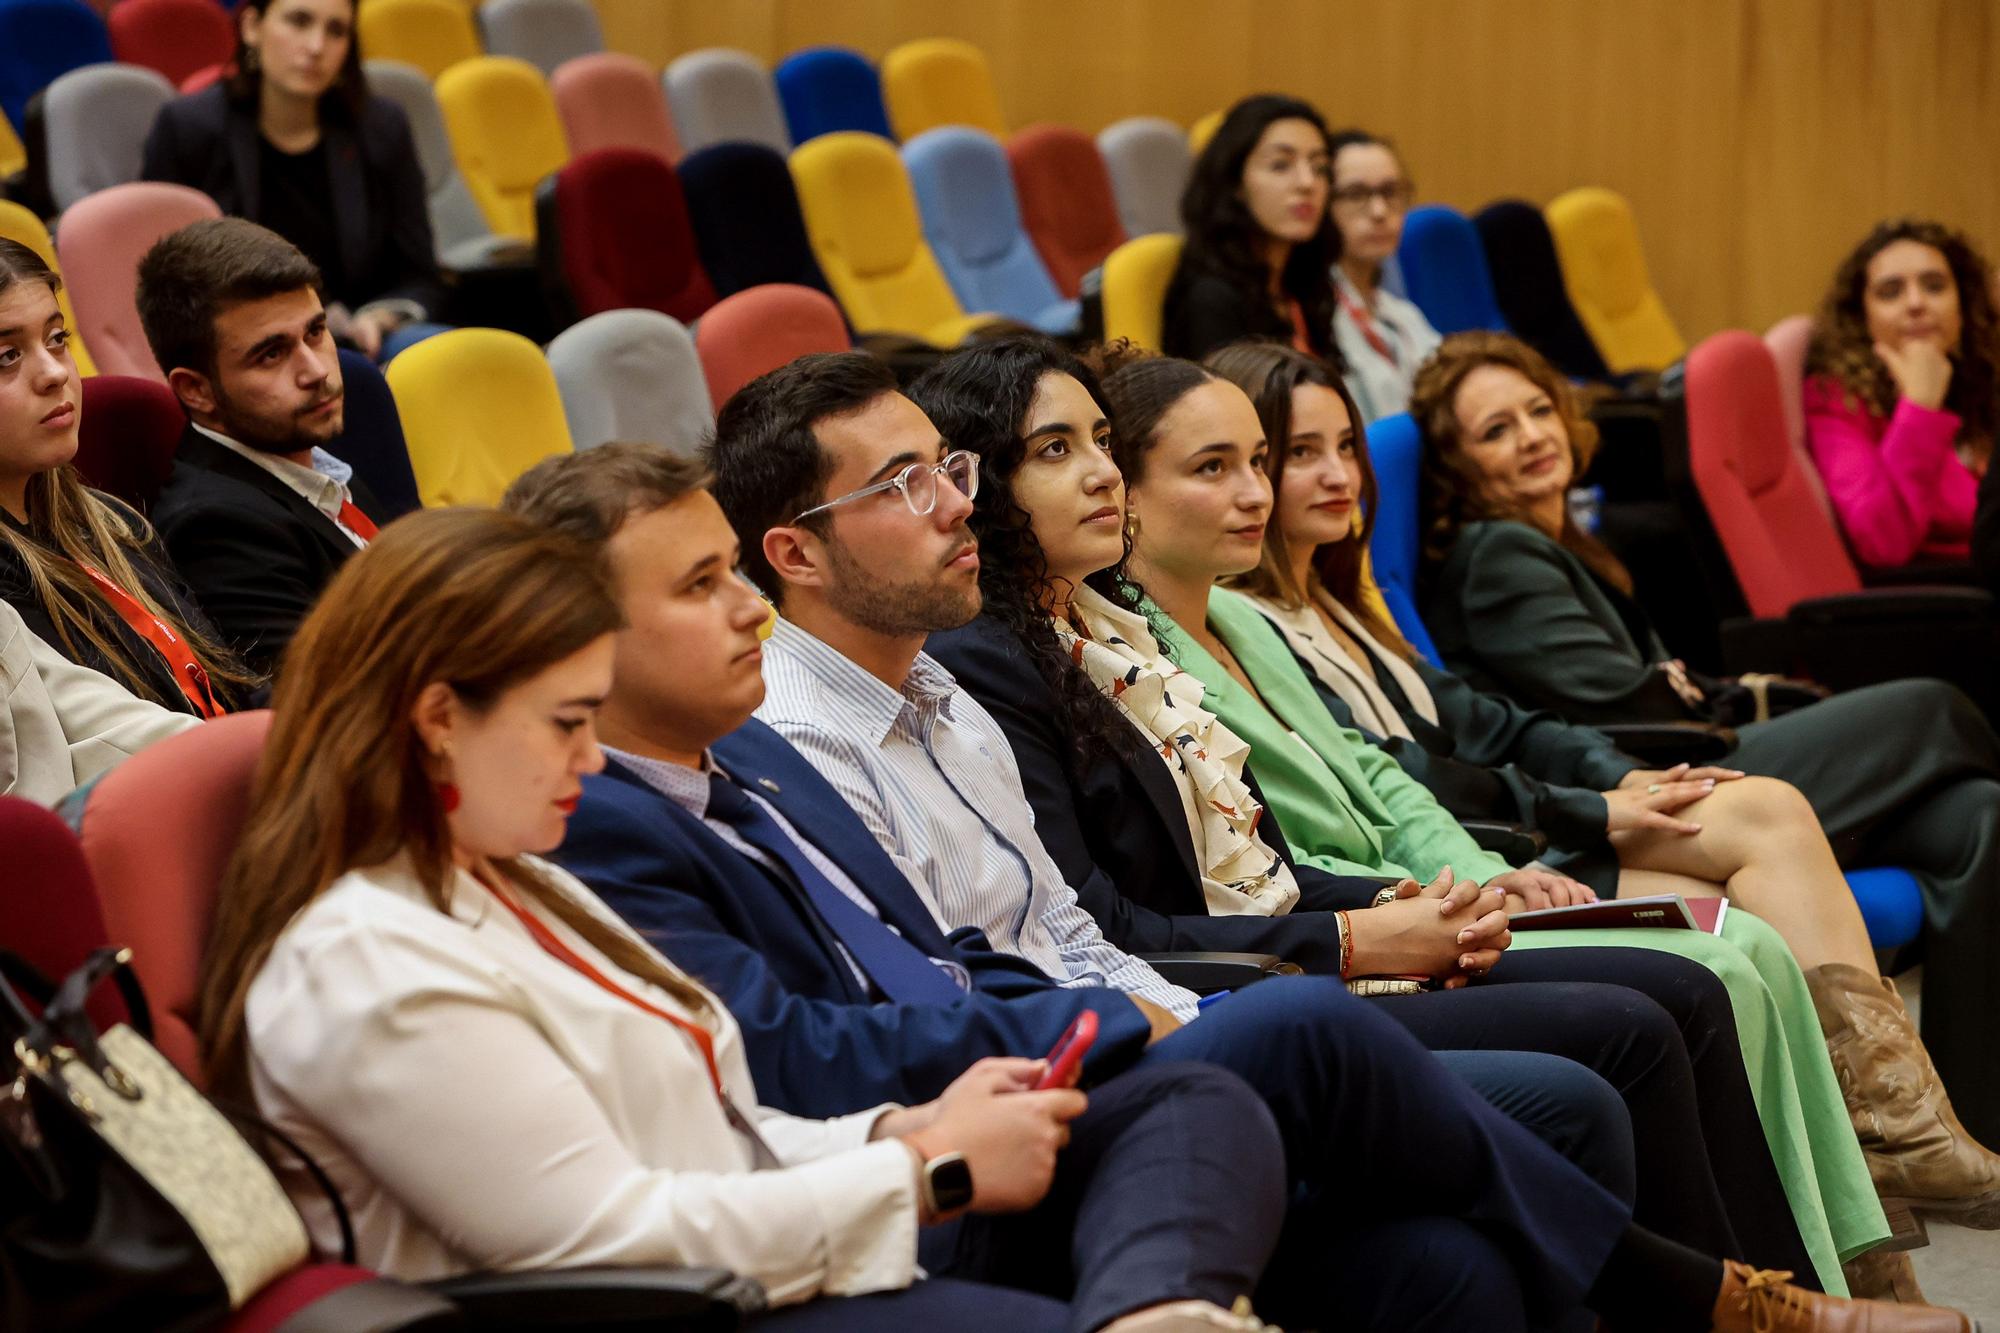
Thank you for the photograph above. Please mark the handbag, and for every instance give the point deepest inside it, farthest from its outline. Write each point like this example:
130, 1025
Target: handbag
127, 1199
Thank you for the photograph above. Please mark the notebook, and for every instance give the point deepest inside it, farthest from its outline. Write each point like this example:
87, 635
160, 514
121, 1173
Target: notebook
1665, 910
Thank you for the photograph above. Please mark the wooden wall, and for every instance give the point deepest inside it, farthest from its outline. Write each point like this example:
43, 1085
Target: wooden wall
1757, 139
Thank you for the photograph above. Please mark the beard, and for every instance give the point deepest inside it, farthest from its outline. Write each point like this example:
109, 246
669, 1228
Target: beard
896, 607
269, 434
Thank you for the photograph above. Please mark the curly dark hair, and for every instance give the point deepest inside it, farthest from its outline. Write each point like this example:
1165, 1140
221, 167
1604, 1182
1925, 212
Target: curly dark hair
979, 399
1842, 350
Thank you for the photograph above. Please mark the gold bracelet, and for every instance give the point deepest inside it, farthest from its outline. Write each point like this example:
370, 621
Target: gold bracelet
1346, 929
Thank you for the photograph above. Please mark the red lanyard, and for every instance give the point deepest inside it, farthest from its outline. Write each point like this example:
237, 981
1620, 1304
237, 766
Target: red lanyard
1301, 335
188, 673
562, 952
1358, 312
355, 521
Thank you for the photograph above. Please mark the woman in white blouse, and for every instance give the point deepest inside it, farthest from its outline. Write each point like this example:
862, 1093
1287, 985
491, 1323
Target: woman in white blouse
1383, 337
498, 1074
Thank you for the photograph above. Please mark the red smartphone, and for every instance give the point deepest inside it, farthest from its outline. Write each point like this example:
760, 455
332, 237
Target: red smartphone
1067, 1057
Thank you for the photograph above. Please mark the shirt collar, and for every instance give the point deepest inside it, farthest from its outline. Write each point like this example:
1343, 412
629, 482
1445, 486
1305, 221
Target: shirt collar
874, 704
684, 786
325, 467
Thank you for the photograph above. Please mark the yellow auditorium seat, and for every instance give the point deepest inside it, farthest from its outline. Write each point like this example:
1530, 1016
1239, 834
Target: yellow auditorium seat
861, 217
432, 35
1203, 130
1136, 275
13, 157
18, 223
479, 408
505, 134
940, 81
1604, 268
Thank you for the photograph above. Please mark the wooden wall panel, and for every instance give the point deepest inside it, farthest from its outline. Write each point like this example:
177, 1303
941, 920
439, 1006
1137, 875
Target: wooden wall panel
1757, 139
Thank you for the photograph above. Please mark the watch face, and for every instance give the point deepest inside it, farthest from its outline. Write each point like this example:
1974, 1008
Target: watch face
950, 1181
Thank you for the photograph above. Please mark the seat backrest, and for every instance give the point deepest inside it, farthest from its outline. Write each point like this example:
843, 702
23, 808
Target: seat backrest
1528, 283
965, 196
104, 235
176, 37
1149, 163
1067, 205
1782, 544
479, 408
97, 120
624, 237
19, 223
1136, 277
158, 831
1604, 267
127, 436
545, 33
828, 89
940, 81
1788, 340
455, 216
746, 218
861, 217
724, 96
41, 40
371, 440
1395, 451
632, 376
759, 329
1204, 129
1444, 268
505, 136
612, 100
53, 919
432, 35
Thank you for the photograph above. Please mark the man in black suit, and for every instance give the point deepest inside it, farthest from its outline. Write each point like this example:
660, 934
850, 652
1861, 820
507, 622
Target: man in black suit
256, 513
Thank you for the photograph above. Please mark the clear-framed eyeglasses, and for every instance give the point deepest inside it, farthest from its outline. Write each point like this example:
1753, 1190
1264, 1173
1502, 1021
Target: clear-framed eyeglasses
918, 482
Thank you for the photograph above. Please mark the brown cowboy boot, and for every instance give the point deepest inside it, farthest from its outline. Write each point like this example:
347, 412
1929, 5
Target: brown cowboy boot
1755, 1300
1918, 1154
1883, 1274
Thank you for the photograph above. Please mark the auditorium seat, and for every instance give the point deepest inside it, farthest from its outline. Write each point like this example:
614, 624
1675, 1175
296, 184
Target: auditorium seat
747, 223
1204, 129
1149, 162
479, 408
432, 35
175, 37
19, 223
127, 436
829, 89
207, 76
861, 216
761, 328
545, 33
613, 233
1136, 277
1604, 267
1066, 201
371, 436
1788, 340
965, 197
1528, 284
459, 230
41, 40
724, 96
1444, 269
632, 376
505, 135
103, 237
612, 100
96, 120
938, 81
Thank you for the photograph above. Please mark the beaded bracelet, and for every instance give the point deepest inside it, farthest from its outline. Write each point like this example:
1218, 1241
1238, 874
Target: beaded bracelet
1346, 943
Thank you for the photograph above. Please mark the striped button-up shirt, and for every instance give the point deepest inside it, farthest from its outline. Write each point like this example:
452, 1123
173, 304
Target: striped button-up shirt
931, 774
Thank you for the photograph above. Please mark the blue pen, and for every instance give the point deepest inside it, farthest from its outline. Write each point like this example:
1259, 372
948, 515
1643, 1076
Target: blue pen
1209, 999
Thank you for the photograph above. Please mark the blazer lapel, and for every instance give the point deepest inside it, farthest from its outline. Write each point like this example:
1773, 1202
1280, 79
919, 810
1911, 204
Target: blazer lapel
244, 147
350, 199
200, 451
1150, 771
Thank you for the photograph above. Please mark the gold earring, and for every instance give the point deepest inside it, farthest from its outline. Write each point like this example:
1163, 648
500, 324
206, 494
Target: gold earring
1131, 526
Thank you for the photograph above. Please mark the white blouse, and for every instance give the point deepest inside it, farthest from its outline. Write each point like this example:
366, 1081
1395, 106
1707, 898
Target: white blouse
1380, 384
1355, 684
482, 1105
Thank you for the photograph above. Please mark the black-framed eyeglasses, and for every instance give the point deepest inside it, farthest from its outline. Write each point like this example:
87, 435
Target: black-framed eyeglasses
1395, 196
918, 483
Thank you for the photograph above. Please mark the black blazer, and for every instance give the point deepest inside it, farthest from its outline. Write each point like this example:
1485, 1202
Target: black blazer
252, 550
375, 187
1118, 833
1986, 529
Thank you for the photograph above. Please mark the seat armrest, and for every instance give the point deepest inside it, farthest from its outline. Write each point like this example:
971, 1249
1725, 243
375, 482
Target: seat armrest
1898, 605
1664, 744
1206, 973
683, 1300
1516, 844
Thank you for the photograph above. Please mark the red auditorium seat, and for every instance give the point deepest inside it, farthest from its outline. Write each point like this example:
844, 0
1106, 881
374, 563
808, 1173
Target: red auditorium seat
761, 328
612, 229
128, 435
179, 38
1066, 201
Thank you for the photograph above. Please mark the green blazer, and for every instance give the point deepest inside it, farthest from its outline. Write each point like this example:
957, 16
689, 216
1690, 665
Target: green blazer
1344, 805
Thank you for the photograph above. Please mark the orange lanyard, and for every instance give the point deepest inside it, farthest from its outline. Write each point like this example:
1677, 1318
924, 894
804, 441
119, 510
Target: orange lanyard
1358, 312
556, 948
188, 673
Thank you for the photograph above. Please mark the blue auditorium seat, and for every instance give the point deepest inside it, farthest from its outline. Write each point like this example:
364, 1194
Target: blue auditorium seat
41, 40
746, 217
830, 88
371, 440
1444, 268
972, 219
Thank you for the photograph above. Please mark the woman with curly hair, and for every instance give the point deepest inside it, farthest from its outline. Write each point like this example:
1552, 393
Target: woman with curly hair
1260, 242
1900, 397
1521, 602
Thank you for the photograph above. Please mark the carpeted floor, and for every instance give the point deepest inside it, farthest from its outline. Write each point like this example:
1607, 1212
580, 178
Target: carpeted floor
1960, 1268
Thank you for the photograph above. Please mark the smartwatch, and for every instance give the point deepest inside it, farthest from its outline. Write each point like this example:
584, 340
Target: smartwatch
947, 1184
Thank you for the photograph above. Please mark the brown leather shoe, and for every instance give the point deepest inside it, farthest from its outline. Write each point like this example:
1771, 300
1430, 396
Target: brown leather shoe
1918, 1153
1757, 1300
1883, 1275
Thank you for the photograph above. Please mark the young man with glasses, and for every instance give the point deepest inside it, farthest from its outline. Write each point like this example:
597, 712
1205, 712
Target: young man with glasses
1383, 337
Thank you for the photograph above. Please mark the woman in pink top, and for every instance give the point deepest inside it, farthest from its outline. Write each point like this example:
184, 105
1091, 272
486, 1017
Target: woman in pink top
1900, 391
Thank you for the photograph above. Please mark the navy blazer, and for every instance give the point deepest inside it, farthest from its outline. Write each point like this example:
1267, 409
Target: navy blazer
1117, 830
817, 1044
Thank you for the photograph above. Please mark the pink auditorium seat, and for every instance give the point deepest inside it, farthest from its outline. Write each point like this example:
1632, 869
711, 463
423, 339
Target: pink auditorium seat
102, 238
612, 100
761, 328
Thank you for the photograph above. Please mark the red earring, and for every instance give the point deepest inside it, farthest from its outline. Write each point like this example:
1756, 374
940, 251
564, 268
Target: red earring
447, 796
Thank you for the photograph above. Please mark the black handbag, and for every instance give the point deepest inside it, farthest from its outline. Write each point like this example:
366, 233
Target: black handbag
127, 1199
